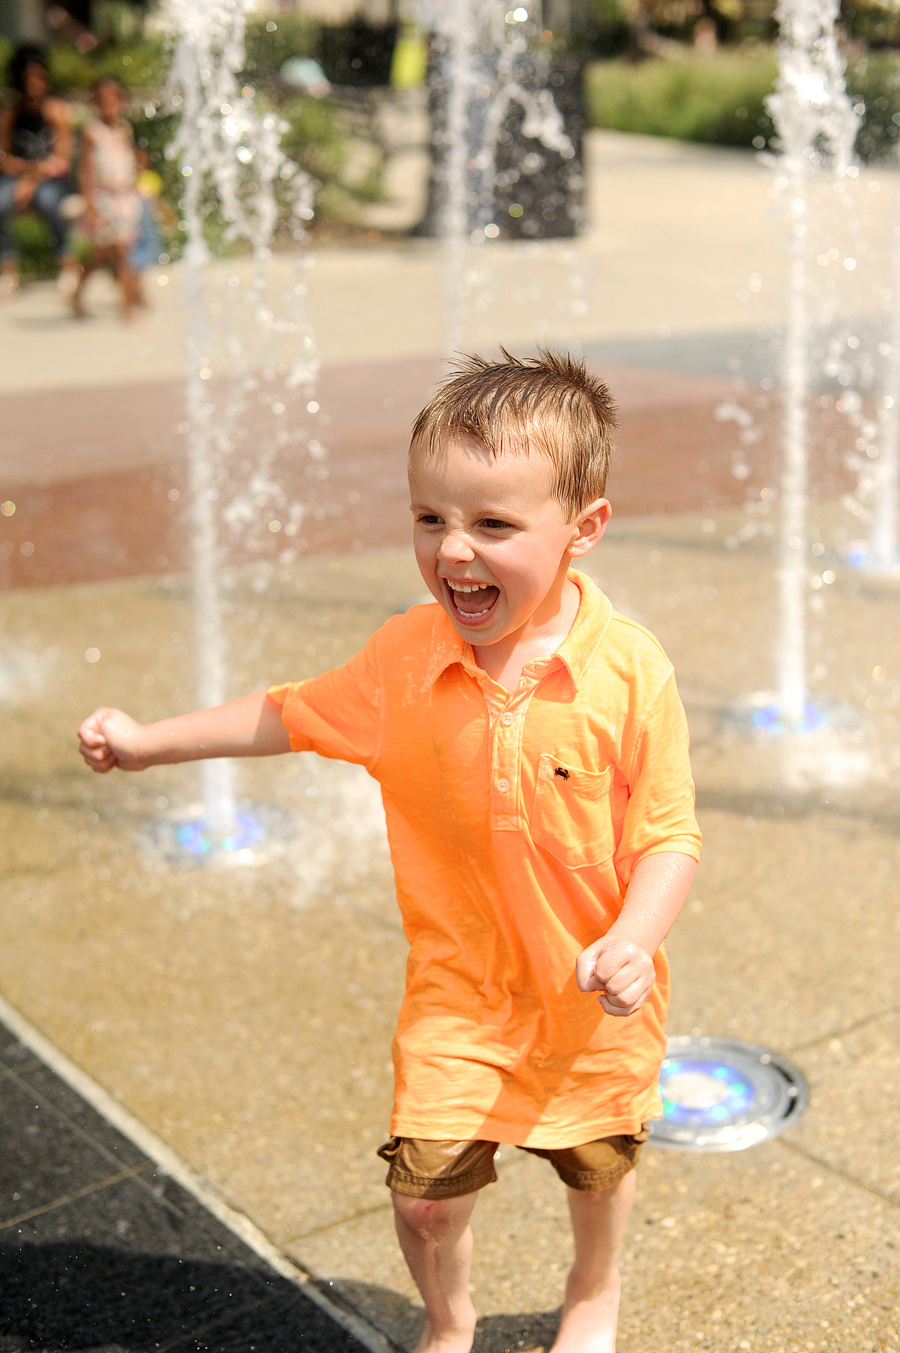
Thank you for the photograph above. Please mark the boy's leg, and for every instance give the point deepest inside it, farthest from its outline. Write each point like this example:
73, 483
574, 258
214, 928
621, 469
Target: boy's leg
434, 1185
436, 1241
591, 1307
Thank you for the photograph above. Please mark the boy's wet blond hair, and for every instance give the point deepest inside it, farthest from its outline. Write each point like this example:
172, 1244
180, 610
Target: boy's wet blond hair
549, 403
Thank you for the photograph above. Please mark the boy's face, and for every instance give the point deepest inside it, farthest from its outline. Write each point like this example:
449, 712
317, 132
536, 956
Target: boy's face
492, 524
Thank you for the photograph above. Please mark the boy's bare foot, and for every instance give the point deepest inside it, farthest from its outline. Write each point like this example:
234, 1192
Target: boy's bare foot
588, 1323
457, 1339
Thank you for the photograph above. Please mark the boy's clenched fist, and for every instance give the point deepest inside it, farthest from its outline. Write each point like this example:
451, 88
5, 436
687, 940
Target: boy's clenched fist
110, 739
620, 970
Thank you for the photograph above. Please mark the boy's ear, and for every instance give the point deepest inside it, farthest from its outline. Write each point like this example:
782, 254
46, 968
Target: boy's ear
590, 527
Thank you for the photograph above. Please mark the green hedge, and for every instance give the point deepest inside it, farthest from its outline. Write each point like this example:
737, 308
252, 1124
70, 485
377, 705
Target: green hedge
267, 48
691, 98
875, 79
721, 98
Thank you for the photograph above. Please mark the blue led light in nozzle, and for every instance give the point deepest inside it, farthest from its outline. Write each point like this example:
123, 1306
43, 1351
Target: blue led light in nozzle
197, 839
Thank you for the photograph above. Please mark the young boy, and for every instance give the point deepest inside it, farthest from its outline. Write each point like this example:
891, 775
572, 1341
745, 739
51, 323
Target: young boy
533, 757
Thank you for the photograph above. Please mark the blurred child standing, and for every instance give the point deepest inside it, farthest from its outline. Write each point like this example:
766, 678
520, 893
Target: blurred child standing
147, 247
108, 180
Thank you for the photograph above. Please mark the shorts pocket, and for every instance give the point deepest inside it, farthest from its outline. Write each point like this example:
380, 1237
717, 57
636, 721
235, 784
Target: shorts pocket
572, 818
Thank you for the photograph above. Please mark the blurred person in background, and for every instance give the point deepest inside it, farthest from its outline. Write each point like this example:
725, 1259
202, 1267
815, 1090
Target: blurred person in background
108, 172
147, 247
35, 165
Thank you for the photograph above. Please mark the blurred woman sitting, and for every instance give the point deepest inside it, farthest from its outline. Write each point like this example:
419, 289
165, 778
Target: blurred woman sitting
35, 165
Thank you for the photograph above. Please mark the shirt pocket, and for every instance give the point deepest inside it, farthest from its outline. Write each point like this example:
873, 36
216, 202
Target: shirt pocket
572, 817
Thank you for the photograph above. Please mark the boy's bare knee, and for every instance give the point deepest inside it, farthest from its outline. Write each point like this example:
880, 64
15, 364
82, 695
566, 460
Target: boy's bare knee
432, 1218
599, 1197
595, 1205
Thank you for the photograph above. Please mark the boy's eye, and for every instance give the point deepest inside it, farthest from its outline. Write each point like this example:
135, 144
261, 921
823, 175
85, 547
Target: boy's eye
430, 519
494, 524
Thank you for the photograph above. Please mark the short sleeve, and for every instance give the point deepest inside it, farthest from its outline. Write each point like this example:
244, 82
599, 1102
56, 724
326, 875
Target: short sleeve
660, 813
338, 714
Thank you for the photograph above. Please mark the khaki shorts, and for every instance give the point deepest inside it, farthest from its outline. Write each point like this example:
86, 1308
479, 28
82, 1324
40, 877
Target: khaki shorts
427, 1169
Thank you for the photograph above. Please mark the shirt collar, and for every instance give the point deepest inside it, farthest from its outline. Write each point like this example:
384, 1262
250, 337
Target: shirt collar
575, 652
580, 645
447, 647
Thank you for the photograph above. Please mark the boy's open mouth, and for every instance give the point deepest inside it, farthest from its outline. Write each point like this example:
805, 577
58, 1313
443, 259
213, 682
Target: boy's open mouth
472, 602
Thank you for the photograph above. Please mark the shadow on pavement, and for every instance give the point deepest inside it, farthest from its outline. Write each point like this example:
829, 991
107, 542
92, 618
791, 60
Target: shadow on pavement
79, 1295
100, 1250
495, 1333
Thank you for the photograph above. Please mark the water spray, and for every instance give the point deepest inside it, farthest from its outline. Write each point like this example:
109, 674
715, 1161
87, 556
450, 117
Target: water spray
460, 31
481, 46
883, 552
815, 120
231, 160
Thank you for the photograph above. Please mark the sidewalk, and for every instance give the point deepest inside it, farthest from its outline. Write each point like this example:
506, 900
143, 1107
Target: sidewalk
649, 202
94, 455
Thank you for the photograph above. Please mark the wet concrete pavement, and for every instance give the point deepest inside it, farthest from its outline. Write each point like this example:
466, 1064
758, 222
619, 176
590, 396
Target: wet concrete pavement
222, 1008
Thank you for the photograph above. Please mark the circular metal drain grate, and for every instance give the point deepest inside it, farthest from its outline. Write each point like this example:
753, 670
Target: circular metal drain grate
722, 1095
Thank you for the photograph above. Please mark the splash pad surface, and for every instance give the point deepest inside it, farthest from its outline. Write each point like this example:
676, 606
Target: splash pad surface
246, 1014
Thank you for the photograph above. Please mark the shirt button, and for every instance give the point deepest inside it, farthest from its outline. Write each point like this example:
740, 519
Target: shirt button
503, 786
506, 718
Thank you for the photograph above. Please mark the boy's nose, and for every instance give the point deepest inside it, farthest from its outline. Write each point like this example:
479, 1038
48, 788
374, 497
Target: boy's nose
456, 548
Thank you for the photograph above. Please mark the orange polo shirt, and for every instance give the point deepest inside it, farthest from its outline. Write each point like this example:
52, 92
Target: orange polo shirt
515, 821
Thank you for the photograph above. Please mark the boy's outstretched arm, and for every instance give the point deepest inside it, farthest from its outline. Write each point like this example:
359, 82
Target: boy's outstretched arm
620, 965
250, 726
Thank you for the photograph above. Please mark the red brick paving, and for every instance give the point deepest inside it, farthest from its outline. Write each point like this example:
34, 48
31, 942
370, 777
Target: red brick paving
90, 471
